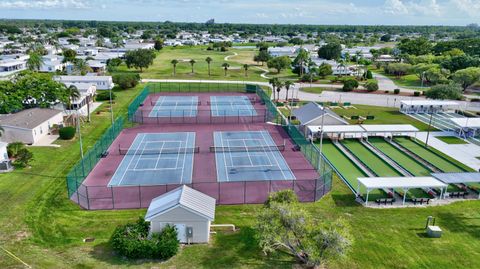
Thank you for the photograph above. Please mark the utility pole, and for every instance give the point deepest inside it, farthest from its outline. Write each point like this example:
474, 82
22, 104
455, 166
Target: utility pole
428, 130
111, 106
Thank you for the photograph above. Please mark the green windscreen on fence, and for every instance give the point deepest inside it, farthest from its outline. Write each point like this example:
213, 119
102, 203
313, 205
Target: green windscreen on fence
132, 108
79, 172
195, 87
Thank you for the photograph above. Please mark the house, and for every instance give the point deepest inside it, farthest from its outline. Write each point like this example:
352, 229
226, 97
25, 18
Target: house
314, 114
97, 66
189, 210
282, 51
30, 125
11, 66
101, 82
52, 63
87, 92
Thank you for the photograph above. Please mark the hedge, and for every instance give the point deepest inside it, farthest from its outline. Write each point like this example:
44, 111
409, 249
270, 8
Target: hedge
105, 96
67, 133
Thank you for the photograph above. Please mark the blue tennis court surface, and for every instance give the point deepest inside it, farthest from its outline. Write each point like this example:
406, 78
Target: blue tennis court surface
249, 156
155, 159
175, 106
231, 106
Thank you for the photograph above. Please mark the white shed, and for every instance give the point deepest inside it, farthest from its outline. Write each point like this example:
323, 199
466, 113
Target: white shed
189, 210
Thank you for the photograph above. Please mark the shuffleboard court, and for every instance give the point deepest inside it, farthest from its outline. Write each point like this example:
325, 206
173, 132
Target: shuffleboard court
175, 106
349, 171
231, 106
408, 163
156, 159
428, 155
249, 156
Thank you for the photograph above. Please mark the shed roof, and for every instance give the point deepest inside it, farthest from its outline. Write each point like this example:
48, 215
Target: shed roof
466, 122
185, 197
428, 103
457, 178
28, 118
313, 111
337, 129
400, 182
389, 128
82, 78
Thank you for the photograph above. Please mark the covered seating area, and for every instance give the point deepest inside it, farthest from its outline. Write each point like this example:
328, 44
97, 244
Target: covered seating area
402, 183
426, 106
361, 131
469, 179
467, 127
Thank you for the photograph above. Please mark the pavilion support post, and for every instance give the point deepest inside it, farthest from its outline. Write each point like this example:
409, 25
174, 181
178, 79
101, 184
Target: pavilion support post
366, 200
441, 193
404, 196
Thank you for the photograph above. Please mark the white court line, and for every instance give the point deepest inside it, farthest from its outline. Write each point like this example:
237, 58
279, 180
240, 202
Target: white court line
127, 168
158, 156
276, 160
224, 157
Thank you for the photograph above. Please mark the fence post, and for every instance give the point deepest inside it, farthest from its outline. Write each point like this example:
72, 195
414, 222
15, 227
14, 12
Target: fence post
113, 200
139, 196
88, 197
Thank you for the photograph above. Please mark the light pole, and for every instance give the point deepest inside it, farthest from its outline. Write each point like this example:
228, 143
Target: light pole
428, 130
79, 134
111, 106
321, 139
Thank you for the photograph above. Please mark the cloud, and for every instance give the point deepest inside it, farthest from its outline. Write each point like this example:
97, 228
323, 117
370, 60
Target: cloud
470, 7
423, 7
43, 4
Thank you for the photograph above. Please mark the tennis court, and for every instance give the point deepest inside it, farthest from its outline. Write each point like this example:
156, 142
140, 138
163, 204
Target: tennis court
231, 106
156, 158
175, 106
249, 156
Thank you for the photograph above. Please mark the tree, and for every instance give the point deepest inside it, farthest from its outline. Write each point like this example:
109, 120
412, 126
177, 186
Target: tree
398, 69
35, 61
350, 84
280, 85
467, 77
192, 63
158, 44
140, 58
385, 38
81, 67
245, 67
288, 84
174, 63
69, 55
273, 82
208, 60
73, 94
330, 51
324, 70
225, 67
452, 91
418, 46
279, 63
287, 227
23, 158
371, 85
263, 56
113, 64
300, 60
460, 62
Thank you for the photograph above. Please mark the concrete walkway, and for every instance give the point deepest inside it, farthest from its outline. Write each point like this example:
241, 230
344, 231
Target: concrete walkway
464, 153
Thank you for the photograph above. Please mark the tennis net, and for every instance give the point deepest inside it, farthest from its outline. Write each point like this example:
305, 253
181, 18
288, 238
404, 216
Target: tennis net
158, 151
248, 149
178, 103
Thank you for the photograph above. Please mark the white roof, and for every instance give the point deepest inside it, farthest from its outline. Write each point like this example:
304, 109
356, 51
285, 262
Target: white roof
428, 103
82, 78
457, 178
11, 63
184, 197
400, 182
337, 129
467, 122
389, 128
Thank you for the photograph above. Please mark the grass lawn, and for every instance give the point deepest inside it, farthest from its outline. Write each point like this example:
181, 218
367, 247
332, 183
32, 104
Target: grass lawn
45, 229
383, 115
408, 81
163, 69
451, 140
317, 89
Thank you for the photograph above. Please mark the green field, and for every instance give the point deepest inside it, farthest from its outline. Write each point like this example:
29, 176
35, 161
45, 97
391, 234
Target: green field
375, 163
317, 89
383, 115
453, 140
408, 163
429, 155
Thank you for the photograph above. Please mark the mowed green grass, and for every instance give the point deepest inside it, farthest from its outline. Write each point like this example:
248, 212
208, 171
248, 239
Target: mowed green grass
45, 229
453, 140
375, 163
383, 115
431, 156
163, 69
408, 163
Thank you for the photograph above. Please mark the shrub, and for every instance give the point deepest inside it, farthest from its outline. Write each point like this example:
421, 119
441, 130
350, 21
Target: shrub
14, 148
350, 84
280, 104
126, 80
104, 96
67, 133
369, 74
23, 158
416, 94
371, 85
396, 91
132, 241
448, 91
284, 196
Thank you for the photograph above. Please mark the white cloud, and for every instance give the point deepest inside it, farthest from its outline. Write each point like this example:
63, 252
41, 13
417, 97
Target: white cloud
43, 4
395, 7
422, 7
470, 7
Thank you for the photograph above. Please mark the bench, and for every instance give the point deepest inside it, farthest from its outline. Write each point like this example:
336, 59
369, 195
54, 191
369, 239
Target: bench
296, 148
104, 154
385, 201
457, 194
421, 200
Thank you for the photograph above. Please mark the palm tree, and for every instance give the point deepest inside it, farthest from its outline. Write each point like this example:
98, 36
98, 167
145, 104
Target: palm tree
81, 67
208, 60
273, 82
280, 85
174, 62
225, 67
192, 62
288, 84
245, 67
35, 62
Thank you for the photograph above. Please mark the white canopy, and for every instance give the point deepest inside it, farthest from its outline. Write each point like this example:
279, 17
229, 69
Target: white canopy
387, 128
400, 182
428, 103
337, 129
467, 122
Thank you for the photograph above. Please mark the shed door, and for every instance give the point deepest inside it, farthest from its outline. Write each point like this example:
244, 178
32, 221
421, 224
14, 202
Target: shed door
181, 232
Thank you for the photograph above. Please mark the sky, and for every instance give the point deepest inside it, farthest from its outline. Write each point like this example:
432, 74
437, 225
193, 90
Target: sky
363, 12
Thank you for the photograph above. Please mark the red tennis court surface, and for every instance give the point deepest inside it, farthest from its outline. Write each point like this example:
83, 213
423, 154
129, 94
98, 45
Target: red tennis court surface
95, 194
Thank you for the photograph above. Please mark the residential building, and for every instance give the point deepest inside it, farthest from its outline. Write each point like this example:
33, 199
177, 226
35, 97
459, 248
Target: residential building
100, 82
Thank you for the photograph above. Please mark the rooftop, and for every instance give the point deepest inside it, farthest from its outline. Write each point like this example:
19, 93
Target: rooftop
29, 118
